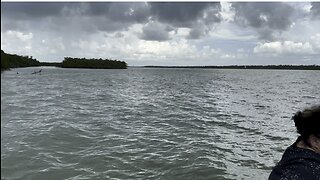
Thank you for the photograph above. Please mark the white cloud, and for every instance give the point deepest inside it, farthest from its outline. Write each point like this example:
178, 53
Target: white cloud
228, 56
284, 47
171, 50
182, 32
19, 35
17, 42
315, 40
229, 31
241, 50
226, 12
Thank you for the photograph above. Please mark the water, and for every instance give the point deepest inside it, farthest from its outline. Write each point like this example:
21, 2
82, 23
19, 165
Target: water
149, 123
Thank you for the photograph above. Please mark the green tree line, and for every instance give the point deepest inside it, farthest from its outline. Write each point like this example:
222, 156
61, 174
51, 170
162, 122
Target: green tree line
69, 62
14, 61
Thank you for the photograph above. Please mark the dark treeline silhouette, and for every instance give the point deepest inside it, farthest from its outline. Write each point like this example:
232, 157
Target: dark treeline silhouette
69, 62
14, 61
289, 67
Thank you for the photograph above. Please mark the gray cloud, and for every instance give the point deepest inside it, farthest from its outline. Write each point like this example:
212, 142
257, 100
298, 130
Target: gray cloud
123, 12
110, 17
35, 10
135, 12
97, 16
315, 10
197, 16
212, 15
198, 31
155, 32
265, 17
181, 14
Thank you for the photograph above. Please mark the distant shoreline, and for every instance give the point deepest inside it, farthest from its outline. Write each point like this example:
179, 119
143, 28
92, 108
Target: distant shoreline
9, 61
279, 67
16, 61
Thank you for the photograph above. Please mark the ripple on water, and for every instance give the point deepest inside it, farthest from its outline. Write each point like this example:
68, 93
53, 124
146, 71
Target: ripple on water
149, 123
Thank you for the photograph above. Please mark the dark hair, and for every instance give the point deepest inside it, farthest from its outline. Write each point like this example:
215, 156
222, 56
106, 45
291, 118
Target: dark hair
307, 122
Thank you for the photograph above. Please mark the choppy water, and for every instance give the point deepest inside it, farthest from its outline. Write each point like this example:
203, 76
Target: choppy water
149, 123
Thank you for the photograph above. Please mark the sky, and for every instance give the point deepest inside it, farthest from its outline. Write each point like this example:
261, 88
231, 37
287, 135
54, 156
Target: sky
165, 33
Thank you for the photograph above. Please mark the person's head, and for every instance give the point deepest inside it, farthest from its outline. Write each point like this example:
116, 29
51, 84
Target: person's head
307, 123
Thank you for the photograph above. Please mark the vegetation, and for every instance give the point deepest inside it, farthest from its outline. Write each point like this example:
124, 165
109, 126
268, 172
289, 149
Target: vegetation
291, 67
69, 62
14, 61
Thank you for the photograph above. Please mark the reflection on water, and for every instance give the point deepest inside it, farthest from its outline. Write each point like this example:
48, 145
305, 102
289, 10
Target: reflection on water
149, 123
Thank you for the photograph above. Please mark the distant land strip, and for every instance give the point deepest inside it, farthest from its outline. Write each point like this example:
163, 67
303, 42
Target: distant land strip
15, 61
9, 61
93, 63
282, 67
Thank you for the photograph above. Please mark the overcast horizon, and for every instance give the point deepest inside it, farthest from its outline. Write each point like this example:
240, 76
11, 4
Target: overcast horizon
204, 33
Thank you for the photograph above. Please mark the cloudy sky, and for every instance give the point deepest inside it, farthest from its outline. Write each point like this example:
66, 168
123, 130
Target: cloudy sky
141, 33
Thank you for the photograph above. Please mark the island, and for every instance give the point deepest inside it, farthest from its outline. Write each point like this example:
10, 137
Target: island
69, 62
15, 61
